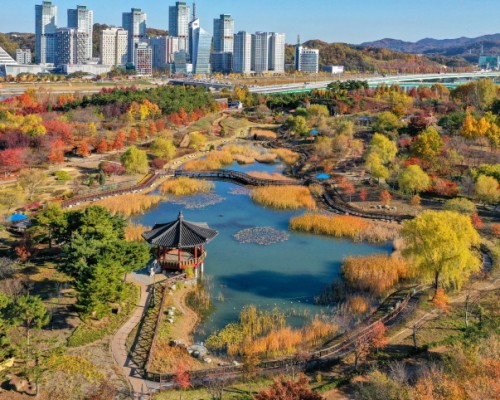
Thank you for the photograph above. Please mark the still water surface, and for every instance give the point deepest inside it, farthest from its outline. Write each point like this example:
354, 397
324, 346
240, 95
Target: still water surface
287, 275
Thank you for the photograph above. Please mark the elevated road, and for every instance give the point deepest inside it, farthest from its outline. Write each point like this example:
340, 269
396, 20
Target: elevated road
376, 81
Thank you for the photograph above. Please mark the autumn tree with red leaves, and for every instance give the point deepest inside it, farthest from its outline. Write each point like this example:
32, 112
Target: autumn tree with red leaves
363, 194
56, 154
182, 377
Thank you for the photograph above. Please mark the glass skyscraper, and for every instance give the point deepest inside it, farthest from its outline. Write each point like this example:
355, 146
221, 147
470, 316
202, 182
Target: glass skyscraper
83, 19
135, 23
202, 44
45, 32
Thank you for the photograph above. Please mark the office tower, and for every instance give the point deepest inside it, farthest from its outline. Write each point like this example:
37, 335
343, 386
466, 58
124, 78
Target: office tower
45, 32
193, 26
143, 59
164, 48
134, 22
277, 52
222, 62
261, 43
242, 56
178, 20
306, 60
180, 62
70, 46
114, 47
23, 56
202, 44
83, 19
224, 34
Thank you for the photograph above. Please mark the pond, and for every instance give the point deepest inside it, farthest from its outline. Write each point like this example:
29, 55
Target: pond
287, 274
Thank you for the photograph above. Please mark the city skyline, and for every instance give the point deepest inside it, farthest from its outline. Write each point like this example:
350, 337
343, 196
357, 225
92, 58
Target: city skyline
328, 20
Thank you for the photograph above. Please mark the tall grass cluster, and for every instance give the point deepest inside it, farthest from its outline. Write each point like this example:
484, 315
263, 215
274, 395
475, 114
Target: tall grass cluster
263, 134
129, 204
287, 156
133, 232
284, 197
345, 226
375, 273
185, 186
275, 176
265, 333
266, 158
214, 160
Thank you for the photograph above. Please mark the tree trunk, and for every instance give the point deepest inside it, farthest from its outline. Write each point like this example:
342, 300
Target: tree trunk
467, 304
414, 336
436, 283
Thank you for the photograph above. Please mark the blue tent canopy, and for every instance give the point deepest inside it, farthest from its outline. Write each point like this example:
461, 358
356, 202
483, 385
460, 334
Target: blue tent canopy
314, 132
17, 217
323, 176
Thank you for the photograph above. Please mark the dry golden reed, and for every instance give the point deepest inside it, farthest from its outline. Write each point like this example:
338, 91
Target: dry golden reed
133, 232
374, 273
345, 226
214, 160
268, 158
263, 134
129, 204
275, 176
287, 156
284, 197
185, 186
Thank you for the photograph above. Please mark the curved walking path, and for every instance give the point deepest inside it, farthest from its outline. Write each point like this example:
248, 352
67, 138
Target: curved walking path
119, 347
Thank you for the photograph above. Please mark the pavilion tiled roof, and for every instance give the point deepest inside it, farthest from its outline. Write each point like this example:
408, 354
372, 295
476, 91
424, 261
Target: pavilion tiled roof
180, 234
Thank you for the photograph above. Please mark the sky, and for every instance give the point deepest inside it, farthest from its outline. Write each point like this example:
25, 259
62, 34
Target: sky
350, 21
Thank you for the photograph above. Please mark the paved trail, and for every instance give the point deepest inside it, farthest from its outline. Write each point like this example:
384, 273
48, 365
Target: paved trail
118, 343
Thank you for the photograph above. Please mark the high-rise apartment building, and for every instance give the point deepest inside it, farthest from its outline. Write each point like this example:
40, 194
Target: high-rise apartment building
268, 52
277, 53
223, 45
261, 42
306, 60
134, 22
224, 34
70, 46
23, 56
242, 56
143, 59
83, 19
45, 32
114, 47
202, 44
164, 48
178, 19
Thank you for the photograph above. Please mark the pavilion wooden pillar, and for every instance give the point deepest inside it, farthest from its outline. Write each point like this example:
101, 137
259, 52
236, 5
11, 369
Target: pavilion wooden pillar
179, 253
195, 252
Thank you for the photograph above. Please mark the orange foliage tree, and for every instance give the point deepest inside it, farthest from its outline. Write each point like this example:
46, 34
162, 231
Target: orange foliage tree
133, 136
440, 300
120, 140
56, 154
385, 197
102, 146
83, 148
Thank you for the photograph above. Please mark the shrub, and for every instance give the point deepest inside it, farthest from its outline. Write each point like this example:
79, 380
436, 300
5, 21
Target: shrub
129, 204
284, 197
87, 333
354, 228
62, 175
375, 273
184, 186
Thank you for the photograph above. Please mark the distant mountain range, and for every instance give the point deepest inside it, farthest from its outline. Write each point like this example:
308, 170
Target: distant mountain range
467, 48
